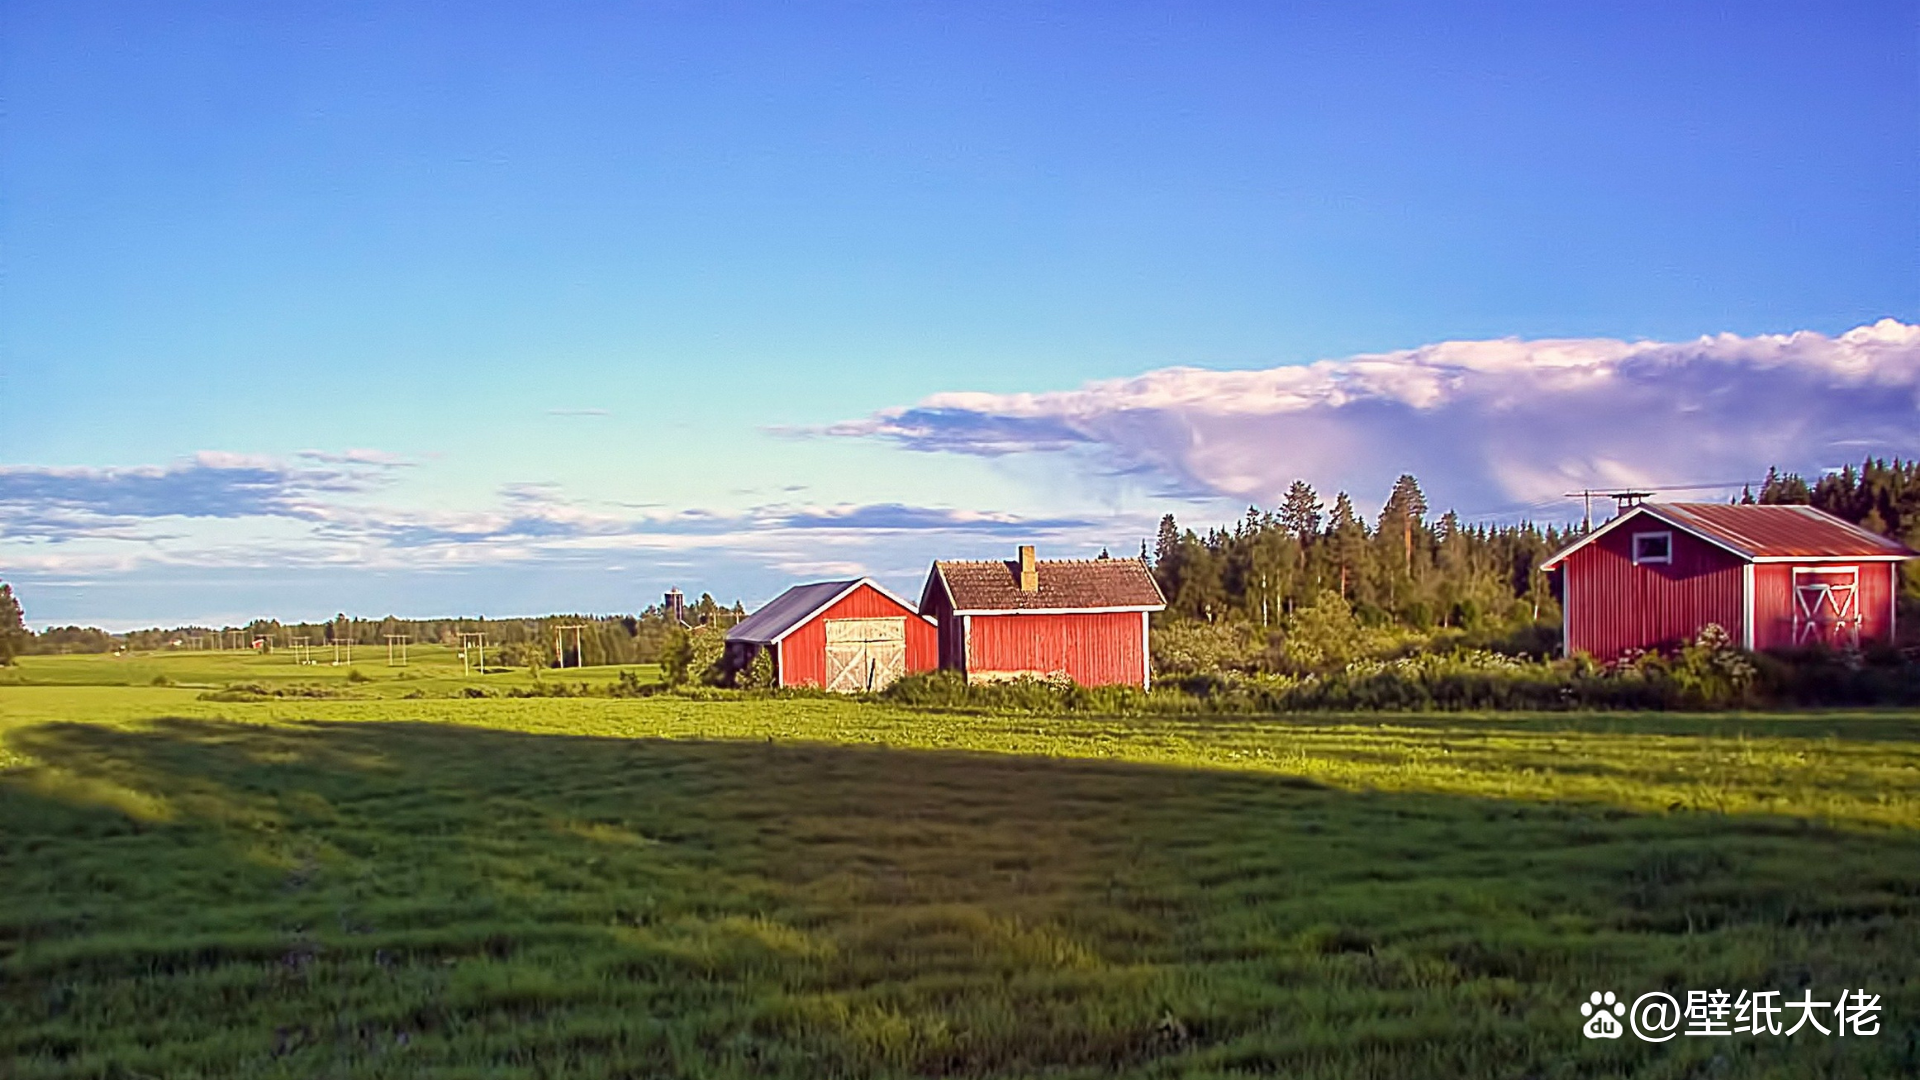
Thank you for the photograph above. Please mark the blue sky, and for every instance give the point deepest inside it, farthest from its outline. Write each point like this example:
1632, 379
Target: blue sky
506, 309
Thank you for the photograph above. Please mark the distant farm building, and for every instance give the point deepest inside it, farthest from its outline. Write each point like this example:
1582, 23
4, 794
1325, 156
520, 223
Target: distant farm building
1085, 619
1772, 576
844, 636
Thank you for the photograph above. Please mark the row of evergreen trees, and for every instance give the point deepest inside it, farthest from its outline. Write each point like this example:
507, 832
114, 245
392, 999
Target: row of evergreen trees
1404, 567
1881, 495
1400, 566
603, 639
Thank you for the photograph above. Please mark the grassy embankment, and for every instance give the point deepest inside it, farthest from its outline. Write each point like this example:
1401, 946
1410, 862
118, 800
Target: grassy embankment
598, 887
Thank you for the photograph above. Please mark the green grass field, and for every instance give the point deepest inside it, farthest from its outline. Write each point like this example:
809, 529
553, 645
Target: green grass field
429, 671
379, 886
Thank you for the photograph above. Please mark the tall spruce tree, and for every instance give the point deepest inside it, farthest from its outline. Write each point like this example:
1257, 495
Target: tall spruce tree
1299, 512
1405, 511
1347, 539
13, 625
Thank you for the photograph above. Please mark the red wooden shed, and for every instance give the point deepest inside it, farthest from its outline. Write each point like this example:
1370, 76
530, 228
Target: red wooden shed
844, 636
1082, 618
1772, 576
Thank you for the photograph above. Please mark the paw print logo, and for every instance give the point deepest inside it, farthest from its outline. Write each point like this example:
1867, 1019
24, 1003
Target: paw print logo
1604, 1012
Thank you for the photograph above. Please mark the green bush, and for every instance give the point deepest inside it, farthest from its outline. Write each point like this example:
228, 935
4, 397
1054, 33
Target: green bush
1708, 673
1189, 647
521, 654
1327, 635
758, 674
693, 657
629, 685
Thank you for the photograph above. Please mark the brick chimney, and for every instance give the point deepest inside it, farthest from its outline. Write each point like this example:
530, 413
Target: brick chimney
1029, 573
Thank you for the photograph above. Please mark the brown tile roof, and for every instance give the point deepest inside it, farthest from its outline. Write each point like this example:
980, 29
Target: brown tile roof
1070, 584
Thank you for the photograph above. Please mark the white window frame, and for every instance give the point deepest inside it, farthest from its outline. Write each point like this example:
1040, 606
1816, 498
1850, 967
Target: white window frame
1666, 534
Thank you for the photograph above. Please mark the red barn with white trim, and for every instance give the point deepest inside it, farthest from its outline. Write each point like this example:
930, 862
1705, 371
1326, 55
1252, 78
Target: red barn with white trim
1773, 577
844, 636
1085, 619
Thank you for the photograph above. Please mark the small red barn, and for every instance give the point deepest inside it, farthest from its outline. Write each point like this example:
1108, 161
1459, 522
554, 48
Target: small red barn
1772, 576
844, 636
1082, 618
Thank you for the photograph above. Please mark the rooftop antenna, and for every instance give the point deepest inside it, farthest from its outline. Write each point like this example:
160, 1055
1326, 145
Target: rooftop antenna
1627, 500
1623, 501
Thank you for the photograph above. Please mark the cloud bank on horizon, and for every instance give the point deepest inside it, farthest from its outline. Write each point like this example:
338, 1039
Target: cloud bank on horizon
223, 537
1491, 427
1507, 423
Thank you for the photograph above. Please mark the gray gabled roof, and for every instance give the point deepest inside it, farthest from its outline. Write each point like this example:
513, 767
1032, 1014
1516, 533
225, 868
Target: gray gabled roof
795, 606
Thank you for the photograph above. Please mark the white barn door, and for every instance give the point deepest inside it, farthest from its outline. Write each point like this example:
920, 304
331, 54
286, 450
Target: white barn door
865, 654
1826, 606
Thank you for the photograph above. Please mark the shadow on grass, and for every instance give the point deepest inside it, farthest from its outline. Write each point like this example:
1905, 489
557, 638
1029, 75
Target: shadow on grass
1852, 725
388, 899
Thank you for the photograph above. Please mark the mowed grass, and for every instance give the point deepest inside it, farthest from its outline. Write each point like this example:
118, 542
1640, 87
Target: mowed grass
428, 671
596, 887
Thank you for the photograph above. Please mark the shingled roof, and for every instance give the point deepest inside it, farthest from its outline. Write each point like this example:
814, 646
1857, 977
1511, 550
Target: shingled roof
1065, 585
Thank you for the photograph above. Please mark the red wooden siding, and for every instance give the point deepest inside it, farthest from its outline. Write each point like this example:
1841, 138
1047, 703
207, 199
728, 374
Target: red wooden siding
1773, 601
802, 654
1613, 605
952, 643
1094, 649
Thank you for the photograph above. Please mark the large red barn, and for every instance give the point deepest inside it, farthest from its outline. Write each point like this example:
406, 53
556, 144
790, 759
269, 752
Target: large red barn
1771, 576
844, 636
1085, 619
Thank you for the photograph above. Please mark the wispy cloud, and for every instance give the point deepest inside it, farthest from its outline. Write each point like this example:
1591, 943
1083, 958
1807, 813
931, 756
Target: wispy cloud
1505, 420
218, 510
579, 412
380, 458
55, 503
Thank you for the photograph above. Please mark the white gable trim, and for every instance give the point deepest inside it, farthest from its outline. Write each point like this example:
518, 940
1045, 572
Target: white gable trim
1061, 610
1560, 556
1831, 558
842, 595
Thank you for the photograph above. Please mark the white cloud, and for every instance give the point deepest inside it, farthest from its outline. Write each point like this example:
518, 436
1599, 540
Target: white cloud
263, 519
1505, 421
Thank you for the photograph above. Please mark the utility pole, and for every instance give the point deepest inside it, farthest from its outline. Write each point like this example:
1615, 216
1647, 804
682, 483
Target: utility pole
1623, 501
579, 650
470, 640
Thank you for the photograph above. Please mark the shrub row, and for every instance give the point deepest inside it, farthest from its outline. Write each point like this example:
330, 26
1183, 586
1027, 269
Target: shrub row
1707, 674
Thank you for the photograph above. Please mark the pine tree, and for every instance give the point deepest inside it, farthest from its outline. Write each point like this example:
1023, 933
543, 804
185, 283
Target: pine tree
1300, 512
13, 626
1166, 557
1348, 539
1404, 511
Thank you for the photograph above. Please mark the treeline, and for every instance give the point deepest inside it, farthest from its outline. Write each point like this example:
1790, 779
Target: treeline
1881, 495
515, 642
1400, 567
1304, 587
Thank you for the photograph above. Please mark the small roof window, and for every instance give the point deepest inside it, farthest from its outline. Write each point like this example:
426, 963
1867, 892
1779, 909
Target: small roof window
1652, 547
